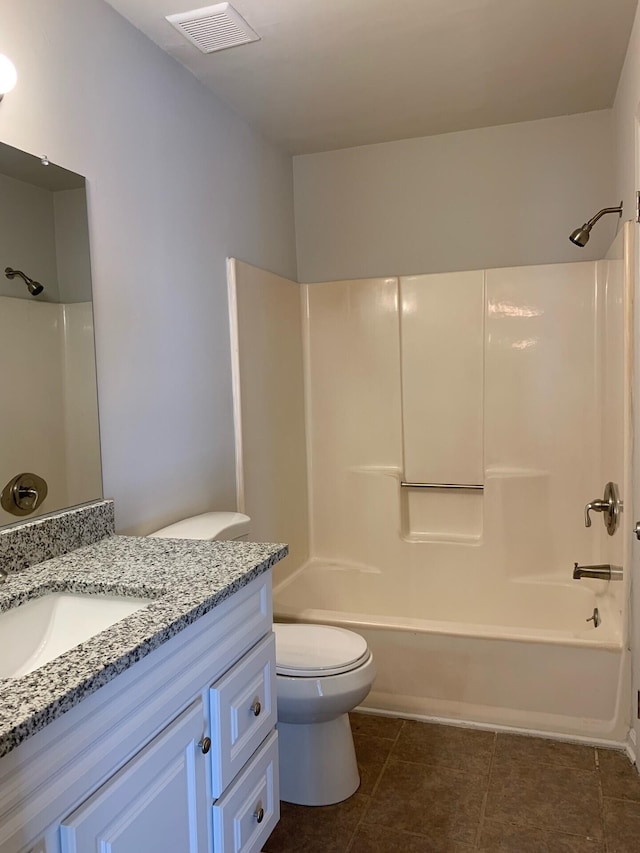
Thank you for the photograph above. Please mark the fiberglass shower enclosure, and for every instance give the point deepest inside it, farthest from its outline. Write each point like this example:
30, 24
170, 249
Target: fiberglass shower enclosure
512, 387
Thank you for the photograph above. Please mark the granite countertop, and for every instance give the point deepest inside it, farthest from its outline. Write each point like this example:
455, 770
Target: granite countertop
184, 578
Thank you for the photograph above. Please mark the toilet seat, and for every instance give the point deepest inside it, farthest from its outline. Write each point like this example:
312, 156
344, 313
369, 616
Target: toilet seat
312, 651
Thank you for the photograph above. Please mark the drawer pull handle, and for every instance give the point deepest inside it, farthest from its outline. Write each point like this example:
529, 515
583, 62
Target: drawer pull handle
256, 707
259, 813
205, 745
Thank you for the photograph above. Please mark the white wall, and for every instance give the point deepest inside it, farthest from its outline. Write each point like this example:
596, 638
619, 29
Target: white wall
176, 182
494, 197
27, 239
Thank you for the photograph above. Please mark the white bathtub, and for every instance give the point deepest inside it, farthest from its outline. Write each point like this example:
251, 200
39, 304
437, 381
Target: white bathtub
518, 654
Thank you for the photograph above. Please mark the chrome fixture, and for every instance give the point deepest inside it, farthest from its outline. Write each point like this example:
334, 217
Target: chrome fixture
35, 288
595, 618
603, 572
442, 486
610, 506
636, 529
23, 494
8, 75
580, 237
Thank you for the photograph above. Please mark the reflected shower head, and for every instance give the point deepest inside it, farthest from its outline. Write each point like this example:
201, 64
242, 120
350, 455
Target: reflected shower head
35, 288
580, 237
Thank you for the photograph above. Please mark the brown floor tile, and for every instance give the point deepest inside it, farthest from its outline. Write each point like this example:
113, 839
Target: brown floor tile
622, 826
321, 829
437, 802
552, 798
373, 839
374, 725
371, 752
535, 750
619, 776
445, 746
504, 838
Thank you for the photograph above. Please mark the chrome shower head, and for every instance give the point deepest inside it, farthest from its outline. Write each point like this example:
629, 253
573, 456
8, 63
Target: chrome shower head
35, 288
580, 237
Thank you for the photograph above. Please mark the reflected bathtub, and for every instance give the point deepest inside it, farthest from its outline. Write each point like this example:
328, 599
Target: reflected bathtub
520, 654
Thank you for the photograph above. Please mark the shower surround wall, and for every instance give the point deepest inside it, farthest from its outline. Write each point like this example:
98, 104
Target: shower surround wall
483, 378
48, 383
515, 380
268, 381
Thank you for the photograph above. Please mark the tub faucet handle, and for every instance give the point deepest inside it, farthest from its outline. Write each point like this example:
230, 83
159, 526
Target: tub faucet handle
610, 506
594, 506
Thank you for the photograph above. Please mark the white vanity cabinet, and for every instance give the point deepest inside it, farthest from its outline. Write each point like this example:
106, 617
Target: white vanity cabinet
178, 754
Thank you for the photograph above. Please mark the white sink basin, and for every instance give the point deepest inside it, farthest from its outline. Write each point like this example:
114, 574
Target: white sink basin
43, 628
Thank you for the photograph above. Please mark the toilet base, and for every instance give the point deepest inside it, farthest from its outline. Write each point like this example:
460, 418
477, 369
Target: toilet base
317, 762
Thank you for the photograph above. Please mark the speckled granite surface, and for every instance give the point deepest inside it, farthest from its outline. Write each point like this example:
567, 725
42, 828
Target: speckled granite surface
184, 578
33, 540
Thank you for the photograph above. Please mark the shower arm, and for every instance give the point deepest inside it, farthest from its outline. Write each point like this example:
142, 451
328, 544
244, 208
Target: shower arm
35, 288
603, 212
11, 273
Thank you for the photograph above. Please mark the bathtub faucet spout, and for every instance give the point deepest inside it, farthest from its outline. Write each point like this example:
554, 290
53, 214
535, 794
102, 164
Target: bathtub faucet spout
603, 572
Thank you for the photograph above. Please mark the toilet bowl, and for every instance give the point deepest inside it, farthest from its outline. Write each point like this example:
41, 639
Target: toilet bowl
322, 673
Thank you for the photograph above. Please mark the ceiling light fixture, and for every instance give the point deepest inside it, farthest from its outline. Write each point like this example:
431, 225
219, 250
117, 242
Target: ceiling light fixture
8, 75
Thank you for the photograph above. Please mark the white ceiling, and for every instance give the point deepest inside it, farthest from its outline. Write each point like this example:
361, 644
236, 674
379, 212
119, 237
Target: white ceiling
338, 73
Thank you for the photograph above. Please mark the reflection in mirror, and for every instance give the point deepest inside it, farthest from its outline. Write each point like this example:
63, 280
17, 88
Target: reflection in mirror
47, 374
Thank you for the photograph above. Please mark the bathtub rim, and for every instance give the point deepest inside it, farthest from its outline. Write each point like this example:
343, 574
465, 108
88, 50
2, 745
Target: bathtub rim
354, 621
611, 640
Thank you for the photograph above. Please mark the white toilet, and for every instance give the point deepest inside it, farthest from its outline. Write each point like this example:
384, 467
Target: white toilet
322, 673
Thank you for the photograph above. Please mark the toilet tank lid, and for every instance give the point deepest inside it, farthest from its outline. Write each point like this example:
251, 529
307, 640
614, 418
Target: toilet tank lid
209, 525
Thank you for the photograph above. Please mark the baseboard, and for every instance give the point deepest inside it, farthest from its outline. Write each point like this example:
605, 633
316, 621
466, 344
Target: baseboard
624, 746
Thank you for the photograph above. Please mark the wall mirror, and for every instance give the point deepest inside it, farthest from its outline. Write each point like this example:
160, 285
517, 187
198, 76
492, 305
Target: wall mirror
50, 426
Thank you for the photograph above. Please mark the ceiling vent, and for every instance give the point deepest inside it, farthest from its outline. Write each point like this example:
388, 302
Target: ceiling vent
214, 27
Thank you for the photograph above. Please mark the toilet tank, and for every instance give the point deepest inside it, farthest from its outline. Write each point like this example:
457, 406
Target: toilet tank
209, 525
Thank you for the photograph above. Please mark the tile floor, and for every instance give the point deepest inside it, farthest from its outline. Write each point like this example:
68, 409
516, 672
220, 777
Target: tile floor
429, 788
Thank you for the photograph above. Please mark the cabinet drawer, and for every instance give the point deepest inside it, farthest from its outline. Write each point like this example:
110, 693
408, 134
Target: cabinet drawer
243, 711
246, 815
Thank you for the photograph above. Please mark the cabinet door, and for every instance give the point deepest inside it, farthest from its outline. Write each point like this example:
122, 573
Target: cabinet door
157, 803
